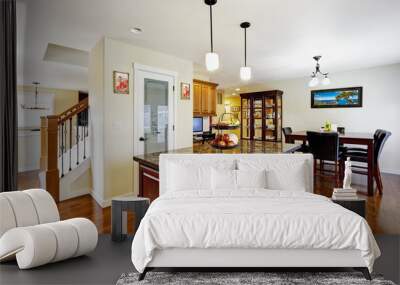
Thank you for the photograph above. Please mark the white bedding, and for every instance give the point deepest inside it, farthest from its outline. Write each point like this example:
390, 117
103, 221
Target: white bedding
252, 218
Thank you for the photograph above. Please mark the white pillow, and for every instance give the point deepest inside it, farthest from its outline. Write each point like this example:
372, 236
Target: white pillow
290, 179
223, 179
251, 178
183, 177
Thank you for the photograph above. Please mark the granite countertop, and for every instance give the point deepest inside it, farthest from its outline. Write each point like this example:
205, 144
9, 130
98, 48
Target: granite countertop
245, 146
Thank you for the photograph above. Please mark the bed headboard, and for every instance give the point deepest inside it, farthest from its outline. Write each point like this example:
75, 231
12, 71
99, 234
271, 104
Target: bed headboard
212, 159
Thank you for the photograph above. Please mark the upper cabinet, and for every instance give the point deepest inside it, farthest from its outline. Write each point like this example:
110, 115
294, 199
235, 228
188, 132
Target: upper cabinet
204, 98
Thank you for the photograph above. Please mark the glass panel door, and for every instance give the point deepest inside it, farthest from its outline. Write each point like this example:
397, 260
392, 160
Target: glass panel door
155, 123
278, 118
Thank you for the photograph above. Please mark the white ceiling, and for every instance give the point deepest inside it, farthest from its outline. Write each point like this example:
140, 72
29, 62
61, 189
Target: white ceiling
283, 37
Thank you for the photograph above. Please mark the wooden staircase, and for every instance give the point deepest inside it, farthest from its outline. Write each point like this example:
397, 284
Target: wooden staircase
63, 140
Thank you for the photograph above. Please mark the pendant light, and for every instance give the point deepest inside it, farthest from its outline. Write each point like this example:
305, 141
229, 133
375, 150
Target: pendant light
245, 71
212, 59
314, 76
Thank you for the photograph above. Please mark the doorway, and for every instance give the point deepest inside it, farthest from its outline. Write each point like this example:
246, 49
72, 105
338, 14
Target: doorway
154, 116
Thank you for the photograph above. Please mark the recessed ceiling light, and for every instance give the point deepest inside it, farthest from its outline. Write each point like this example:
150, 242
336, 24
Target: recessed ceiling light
233, 94
237, 89
136, 30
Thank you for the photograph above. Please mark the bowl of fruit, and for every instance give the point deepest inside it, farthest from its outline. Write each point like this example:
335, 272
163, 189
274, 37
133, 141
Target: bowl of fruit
225, 141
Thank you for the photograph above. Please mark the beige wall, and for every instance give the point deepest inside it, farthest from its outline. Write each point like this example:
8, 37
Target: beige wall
63, 99
117, 112
381, 106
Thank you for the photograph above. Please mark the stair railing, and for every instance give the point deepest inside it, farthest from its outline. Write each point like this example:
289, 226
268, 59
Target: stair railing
59, 135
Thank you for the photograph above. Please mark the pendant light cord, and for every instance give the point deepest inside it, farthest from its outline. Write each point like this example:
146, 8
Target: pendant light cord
211, 29
245, 47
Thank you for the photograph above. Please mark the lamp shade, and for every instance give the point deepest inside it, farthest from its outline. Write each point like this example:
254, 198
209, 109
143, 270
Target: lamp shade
245, 73
326, 81
212, 61
313, 82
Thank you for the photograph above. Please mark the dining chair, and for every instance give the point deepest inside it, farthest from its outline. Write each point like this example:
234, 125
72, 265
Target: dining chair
361, 155
325, 147
288, 131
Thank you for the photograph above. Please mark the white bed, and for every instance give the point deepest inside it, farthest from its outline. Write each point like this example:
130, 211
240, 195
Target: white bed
223, 225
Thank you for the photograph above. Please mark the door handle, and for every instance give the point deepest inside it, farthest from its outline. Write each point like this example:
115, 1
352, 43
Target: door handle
142, 139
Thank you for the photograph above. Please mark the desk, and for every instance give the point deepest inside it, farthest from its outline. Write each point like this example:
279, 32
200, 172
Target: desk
366, 139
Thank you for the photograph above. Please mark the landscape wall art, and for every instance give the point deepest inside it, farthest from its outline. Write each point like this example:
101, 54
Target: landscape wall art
337, 98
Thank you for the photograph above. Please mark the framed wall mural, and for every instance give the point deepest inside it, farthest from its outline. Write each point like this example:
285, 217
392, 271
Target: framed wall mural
121, 82
185, 91
337, 98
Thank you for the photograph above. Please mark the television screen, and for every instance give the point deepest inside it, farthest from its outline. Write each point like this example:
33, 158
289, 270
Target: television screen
197, 124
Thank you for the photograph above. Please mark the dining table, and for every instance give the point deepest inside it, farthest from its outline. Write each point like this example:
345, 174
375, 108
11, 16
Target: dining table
352, 138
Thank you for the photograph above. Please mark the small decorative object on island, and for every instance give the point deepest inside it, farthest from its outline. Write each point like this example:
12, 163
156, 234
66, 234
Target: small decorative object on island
345, 193
337, 98
121, 82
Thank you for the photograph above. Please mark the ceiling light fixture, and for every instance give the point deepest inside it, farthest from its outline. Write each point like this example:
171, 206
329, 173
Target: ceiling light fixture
212, 59
136, 30
245, 71
314, 76
237, 89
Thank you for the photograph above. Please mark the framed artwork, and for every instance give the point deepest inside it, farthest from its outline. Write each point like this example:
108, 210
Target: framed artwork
185, 91
121, 82
337, 98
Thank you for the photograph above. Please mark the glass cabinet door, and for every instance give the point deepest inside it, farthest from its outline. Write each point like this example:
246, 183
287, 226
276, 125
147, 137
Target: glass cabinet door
270, 128
278, 118
258, 118
245, 120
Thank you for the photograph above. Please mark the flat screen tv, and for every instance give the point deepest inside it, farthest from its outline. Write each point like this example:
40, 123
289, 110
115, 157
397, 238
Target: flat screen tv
197, 124
337, 98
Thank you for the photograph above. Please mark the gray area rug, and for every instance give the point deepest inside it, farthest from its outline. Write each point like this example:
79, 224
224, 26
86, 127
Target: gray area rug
228, 278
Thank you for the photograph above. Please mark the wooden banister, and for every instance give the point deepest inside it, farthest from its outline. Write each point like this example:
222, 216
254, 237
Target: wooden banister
69, 113
54, 128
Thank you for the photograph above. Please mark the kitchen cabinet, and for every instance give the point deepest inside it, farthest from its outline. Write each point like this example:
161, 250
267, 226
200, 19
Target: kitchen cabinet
204, 98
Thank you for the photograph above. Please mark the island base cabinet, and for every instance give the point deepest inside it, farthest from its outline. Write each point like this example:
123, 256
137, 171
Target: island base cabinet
148, 183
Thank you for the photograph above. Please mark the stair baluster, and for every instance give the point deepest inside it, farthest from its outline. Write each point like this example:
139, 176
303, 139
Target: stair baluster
70, 143
84, 133
77, 143
62, 150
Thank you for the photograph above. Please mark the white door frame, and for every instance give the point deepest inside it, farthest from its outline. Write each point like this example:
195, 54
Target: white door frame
140, 67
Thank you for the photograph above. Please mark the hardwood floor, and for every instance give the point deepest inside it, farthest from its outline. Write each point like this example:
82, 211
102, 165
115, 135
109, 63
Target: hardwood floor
383, 212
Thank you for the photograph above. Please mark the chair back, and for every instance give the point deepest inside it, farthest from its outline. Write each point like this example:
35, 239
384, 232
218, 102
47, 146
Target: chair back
287, 131
324, 146
380, 138
26, 208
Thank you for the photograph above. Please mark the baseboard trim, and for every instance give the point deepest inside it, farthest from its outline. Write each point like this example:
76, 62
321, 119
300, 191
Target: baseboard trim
99, 200
390, 171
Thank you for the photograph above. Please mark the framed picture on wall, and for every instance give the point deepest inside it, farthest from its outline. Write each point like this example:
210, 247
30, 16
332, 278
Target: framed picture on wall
185, 91
121, 82
337, 98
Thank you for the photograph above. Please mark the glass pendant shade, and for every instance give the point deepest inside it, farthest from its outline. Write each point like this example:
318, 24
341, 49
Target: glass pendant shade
313, 82
326, 81
245, 73
212, 61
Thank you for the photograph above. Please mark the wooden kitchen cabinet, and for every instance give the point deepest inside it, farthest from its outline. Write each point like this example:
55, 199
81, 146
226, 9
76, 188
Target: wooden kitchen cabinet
204, 98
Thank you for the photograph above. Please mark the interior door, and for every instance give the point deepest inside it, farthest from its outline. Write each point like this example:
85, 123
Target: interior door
154, 112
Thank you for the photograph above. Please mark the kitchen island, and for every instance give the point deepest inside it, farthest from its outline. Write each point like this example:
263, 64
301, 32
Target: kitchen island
148, 163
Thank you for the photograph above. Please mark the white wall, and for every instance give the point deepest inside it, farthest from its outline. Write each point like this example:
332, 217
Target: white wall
96, 112
381, 106
117, 113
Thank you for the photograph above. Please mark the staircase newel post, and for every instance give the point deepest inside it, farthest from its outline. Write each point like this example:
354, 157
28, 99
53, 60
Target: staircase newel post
52, 173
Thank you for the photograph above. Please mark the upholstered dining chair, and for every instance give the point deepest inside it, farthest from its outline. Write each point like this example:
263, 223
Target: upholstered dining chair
361, 155
325, 147
286, 132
